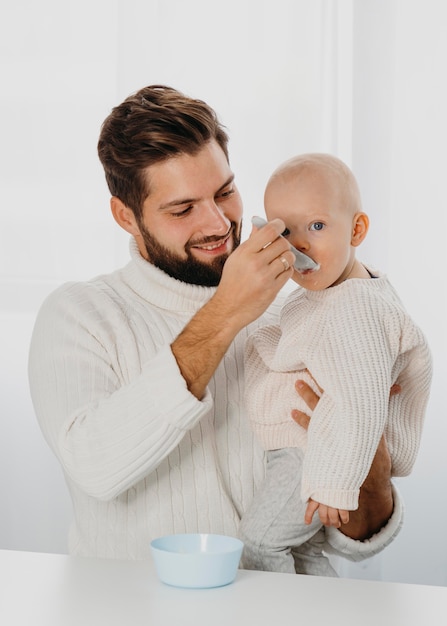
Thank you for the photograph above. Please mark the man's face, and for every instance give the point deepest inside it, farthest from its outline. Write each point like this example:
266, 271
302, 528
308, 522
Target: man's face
191, 220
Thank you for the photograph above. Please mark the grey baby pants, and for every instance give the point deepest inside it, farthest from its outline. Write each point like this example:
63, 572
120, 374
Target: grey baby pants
275, 537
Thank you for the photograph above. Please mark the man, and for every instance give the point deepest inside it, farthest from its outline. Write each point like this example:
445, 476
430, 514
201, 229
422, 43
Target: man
136, 377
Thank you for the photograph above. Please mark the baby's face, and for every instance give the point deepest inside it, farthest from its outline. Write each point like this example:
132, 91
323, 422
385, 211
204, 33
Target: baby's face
314, 209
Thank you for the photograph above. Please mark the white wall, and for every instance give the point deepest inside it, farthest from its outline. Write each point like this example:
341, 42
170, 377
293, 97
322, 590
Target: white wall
399, 139
360, 79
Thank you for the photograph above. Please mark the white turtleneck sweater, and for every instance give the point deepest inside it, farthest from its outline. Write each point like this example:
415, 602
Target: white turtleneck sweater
357, 340
141, 455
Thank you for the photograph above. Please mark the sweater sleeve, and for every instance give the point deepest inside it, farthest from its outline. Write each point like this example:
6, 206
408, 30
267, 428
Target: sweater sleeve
406, 414
108, 426
352, 361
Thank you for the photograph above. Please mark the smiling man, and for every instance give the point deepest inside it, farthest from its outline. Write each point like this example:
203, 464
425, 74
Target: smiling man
194, 218
137, 376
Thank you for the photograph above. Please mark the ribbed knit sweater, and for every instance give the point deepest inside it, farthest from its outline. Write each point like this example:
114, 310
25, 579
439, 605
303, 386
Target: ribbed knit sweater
141, 455
356, 339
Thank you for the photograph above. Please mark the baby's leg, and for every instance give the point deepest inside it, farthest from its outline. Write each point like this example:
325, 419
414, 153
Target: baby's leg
309, 557
274, 523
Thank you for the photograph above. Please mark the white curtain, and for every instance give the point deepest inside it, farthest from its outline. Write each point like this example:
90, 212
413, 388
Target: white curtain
362, 79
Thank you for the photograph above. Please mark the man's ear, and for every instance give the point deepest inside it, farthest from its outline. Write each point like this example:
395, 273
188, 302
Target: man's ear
124, 216
360, 225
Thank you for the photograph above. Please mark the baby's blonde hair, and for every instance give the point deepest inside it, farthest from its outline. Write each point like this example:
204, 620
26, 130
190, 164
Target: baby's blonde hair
322, 164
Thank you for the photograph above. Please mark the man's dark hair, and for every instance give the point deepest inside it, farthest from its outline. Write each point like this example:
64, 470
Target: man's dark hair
150, 126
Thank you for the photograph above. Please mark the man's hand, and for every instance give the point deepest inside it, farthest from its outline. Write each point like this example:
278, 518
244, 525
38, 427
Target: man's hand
311, 399
376, 497
252, 277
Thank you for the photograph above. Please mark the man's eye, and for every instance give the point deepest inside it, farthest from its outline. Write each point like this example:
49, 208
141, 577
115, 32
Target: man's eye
226, 193
317, 226
184, 212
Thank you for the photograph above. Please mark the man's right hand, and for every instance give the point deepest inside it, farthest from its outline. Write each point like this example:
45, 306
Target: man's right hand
254, 274
252, 277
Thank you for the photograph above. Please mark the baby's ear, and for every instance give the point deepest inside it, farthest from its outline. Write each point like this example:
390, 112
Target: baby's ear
360, 225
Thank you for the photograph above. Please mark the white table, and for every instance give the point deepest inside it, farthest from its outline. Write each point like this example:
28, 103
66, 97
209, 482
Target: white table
59, 590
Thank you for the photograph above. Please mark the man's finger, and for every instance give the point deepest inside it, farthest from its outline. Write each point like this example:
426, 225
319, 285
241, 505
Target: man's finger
395, 390
307, 393
301, 418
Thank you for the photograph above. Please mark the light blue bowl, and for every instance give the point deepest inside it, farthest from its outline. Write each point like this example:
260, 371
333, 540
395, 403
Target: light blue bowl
196, 560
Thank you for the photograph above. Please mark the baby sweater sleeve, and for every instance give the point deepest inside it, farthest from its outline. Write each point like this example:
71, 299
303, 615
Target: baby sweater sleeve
109, 427
351, 357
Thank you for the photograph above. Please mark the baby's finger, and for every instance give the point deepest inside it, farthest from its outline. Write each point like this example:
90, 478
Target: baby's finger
312, 506
344, 516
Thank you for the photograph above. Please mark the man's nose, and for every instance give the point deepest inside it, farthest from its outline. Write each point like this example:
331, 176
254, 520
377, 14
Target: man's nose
213, 220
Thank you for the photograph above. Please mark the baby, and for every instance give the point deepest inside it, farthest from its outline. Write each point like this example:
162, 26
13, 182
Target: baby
346, 325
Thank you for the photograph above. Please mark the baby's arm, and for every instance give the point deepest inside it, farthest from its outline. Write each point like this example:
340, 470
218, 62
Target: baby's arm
328, 515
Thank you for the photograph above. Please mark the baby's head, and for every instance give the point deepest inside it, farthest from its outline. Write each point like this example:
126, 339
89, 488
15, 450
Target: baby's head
318, 198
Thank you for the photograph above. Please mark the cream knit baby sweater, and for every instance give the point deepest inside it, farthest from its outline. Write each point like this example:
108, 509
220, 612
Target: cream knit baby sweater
356, 340
141, 455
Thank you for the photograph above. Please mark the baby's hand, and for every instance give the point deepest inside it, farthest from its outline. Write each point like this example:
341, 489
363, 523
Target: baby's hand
328, 515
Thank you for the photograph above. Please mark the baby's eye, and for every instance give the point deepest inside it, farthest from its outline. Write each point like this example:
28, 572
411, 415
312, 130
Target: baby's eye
316, 226
285, 233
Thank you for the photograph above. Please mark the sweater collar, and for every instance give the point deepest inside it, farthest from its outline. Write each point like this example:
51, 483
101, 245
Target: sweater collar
160, 289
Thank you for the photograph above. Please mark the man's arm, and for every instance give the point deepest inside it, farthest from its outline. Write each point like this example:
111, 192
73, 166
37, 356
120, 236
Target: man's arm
376, 502
83, 391
252, 277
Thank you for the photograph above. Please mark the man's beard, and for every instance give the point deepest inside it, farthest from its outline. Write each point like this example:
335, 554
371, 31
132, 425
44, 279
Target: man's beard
188, 270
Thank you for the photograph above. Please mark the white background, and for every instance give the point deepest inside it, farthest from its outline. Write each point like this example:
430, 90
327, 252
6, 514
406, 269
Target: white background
363, 79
